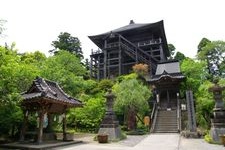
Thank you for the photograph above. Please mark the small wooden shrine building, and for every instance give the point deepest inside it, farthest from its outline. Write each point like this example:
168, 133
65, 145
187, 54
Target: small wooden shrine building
45, 97
167, 112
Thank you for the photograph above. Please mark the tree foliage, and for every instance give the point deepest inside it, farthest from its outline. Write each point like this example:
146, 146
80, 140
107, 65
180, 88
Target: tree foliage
179, 56
15, 78
195, 73
89, 117
204, 104
172, 49
214, 53
203, 43
68, 43
141, 69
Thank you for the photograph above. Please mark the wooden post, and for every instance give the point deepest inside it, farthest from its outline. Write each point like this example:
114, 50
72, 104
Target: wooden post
50, 122
40, 128
120, 57
91, 65
136, 54
98, 73
168, 99
64, 127
105, 63
24, 127
161, 53
105, 59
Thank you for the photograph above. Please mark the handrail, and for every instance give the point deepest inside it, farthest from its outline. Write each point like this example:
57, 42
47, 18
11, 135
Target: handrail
153, 111
149, 42
134, 49
153, 117
141, 54
140, 50
178, 116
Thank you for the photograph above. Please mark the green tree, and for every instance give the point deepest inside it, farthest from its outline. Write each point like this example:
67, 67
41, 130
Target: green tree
214, 53
179, 56
172, 49
66, 69
195, 72
68, 43
89, 117
132, 98
33, 58
15, 78
203, 43
204, 105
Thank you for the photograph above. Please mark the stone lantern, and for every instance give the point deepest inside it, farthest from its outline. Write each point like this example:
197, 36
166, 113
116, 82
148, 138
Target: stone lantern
218, 120
109, 124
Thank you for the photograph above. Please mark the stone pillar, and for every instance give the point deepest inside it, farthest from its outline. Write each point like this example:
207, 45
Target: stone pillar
218, 120
191, 112
110, 125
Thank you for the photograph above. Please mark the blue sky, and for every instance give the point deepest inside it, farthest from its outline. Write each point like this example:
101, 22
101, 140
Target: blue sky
34, 24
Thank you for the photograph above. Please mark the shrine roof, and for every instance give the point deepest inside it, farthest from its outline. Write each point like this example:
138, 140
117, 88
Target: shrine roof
165, 75
167, 70
45, 89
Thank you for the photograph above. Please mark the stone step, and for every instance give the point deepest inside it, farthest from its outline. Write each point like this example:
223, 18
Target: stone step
166, 122
165, 131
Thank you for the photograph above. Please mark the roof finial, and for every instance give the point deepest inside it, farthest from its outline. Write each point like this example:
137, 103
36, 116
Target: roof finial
131, 21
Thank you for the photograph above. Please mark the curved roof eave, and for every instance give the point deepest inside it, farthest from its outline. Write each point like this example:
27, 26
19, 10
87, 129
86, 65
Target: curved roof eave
98, 38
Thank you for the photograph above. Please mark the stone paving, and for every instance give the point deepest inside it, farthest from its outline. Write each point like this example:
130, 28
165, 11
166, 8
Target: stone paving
152, 141
146, 142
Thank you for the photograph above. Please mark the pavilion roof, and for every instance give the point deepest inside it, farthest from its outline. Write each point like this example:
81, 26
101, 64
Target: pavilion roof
50, 91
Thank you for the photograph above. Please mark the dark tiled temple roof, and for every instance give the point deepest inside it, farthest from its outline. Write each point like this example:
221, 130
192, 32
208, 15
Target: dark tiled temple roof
128, 27
42, 88
178, 76
167, 70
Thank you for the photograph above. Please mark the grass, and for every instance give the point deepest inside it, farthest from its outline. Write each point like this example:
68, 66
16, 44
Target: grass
209, 139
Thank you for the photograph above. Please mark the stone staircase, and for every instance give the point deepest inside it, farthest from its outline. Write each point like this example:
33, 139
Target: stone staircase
166, 122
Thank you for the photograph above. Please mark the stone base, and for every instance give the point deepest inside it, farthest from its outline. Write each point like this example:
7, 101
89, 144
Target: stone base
189, 134
216, 132
113, 133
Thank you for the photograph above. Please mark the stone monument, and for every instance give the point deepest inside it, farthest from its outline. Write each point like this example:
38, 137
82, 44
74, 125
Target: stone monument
191, 112
109, 124
218, 120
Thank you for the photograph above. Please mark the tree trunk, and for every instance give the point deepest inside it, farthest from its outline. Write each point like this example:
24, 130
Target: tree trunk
131, 119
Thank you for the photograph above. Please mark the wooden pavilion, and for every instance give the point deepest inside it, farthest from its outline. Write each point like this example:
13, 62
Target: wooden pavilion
45, 97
